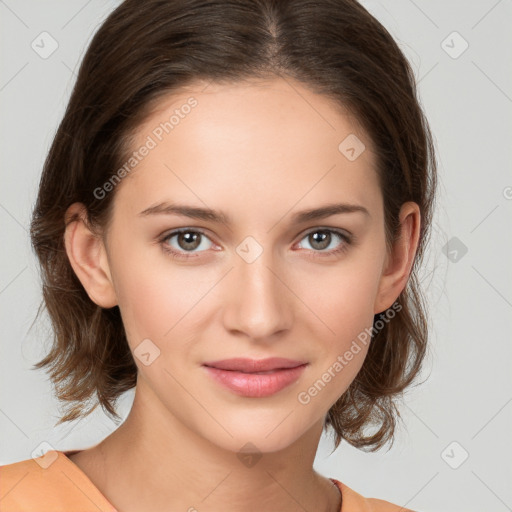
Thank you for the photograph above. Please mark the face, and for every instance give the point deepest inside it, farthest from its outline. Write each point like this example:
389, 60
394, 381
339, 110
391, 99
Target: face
262, 281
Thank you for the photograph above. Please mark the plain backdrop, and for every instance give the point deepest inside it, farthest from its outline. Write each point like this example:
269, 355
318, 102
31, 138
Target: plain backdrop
454, 452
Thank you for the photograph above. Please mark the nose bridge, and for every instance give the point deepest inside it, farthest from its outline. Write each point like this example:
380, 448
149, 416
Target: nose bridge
258, 302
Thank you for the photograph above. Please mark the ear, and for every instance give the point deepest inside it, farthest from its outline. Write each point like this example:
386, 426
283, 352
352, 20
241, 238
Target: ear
399, 261
88, 257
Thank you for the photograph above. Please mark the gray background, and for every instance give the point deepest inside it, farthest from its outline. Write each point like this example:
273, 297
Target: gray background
467, 396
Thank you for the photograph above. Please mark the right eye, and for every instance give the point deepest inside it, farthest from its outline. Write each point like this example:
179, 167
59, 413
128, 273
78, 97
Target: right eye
186, 241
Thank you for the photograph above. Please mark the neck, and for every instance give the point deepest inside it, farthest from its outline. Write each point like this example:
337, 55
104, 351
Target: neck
155, 462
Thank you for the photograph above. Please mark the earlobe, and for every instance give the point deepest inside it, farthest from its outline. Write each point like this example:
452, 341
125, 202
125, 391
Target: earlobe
399, 262
88, 258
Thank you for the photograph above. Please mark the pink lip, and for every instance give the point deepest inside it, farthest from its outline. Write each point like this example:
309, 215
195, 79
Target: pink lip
240, 375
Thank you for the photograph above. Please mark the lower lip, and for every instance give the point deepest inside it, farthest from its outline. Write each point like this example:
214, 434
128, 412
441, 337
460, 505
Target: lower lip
256, 385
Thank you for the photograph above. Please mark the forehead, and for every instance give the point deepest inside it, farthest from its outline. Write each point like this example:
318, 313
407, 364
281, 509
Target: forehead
273, 142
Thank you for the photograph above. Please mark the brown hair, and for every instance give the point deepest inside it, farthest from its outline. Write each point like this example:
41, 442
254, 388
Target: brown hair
145, 50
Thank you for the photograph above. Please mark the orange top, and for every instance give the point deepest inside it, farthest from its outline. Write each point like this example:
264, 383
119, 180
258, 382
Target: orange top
54, 483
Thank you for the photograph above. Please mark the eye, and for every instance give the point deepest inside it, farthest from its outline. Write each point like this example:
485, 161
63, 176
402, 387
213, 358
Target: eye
190, 241
322, 238
187, 241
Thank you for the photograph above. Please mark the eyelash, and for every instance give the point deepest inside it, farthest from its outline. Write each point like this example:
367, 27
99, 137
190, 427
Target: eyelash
347, 240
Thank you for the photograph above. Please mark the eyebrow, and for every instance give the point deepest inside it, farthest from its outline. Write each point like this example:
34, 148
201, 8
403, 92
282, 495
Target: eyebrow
194, 212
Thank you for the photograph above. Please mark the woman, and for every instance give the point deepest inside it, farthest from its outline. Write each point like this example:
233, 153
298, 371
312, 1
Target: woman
229, 220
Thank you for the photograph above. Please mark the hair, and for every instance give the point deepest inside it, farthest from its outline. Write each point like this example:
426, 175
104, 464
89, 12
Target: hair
145, 51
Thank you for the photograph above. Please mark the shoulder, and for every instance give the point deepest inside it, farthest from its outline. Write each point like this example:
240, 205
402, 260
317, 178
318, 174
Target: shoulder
47, 483
352, 501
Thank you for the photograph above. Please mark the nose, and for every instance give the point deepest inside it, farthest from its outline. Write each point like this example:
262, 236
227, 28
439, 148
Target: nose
259, 302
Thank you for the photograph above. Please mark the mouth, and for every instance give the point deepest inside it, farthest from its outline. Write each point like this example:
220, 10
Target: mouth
245, 365
255, 378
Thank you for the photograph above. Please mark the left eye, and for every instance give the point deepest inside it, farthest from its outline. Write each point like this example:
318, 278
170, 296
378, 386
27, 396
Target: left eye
320, 239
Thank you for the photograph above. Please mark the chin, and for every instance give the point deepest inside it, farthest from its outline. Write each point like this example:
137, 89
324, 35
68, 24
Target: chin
267, 431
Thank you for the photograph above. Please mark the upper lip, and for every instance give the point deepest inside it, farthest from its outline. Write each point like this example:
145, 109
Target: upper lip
254, 365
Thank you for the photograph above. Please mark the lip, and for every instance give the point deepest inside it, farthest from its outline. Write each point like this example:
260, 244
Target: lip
243, 364
242, 375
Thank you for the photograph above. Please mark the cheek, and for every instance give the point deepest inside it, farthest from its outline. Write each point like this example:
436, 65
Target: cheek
343, 297
345, 309
155, 300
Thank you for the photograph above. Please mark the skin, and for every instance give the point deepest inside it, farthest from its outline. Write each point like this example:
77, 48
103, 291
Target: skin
259, 151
